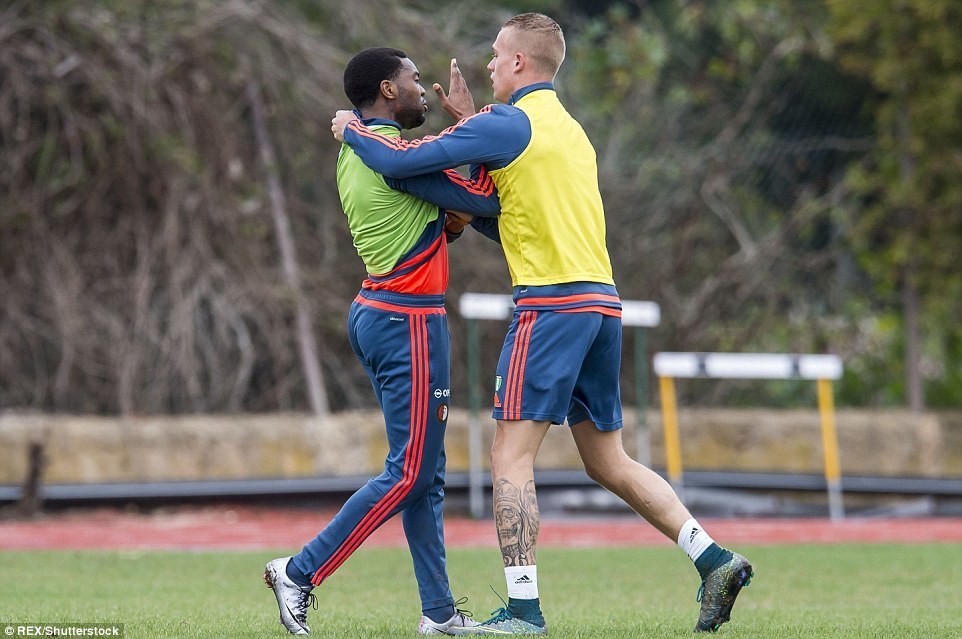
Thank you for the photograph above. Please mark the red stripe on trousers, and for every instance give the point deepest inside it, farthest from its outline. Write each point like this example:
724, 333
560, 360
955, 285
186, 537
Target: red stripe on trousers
380, 512
412, 456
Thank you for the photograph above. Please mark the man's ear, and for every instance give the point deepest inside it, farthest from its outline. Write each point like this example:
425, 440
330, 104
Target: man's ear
389, 89
520, 62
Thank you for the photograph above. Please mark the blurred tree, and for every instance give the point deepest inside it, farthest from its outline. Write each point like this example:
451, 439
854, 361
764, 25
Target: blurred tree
139, 264
909, 228
723, 133
138, 260
140, 268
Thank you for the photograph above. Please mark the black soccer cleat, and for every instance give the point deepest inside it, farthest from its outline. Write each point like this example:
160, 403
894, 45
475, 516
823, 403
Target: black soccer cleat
718, 592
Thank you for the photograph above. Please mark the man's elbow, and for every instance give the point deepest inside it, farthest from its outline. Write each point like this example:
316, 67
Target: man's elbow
490, 208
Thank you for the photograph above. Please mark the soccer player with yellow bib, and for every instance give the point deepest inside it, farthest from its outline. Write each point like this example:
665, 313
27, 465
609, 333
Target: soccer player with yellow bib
562, 354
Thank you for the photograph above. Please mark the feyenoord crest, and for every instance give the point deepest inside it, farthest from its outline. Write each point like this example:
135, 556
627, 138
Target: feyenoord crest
442, 413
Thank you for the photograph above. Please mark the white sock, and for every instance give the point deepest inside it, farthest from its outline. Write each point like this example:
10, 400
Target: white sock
522, 582
693, 539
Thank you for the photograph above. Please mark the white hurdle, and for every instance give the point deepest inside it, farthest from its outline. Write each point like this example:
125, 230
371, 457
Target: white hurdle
821, 368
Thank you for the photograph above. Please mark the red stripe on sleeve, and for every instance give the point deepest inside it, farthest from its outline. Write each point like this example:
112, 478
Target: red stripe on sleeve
484, 185
399, 143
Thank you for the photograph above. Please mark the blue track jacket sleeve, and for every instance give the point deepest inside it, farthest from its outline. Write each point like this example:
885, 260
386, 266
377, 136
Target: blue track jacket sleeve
448, 190
494, 137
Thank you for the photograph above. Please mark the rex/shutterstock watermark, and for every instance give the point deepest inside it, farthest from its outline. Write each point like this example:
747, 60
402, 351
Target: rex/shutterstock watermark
61, 629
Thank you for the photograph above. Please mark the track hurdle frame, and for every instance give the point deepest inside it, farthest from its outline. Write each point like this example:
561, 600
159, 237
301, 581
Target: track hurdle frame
820, 368
473, 307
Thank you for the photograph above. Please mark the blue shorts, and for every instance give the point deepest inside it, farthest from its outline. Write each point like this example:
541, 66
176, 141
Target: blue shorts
558, 365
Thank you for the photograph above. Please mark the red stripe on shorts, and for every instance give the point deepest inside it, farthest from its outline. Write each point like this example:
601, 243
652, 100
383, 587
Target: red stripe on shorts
519, 357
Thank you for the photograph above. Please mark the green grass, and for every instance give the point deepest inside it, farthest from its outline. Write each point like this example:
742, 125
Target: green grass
845, 591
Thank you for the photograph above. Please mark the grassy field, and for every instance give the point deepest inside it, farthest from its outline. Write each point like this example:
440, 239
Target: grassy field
844, 591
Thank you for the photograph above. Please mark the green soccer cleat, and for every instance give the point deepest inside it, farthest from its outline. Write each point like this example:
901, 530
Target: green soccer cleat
502, 623
718, 591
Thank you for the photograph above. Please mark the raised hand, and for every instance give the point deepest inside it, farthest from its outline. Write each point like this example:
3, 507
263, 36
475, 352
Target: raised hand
457, 102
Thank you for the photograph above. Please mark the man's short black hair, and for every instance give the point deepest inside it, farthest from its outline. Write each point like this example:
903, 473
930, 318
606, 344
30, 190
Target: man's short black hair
366, 71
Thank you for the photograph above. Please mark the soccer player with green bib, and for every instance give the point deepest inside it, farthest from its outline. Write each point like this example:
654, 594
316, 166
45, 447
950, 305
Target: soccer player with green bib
398, 330
562, 355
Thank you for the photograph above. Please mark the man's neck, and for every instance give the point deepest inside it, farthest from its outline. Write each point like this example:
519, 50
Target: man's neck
377, 111
530, 79
527, 82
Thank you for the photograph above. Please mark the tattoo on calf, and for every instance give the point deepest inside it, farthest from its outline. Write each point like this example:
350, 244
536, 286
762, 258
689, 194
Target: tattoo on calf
518, 522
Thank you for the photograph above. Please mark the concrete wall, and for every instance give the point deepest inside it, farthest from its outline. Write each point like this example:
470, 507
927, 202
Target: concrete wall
83, 449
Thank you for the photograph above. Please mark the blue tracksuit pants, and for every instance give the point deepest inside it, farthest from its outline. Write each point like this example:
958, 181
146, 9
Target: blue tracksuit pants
404, 345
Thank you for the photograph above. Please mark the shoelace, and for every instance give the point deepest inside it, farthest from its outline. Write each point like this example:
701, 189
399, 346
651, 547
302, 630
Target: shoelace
460, 611
308, 599
501, 614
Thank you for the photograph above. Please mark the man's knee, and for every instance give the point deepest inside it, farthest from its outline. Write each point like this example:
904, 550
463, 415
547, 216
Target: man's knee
515, 446
608, 467
606, 471
500, 459
596, 472
415, 483
421, 484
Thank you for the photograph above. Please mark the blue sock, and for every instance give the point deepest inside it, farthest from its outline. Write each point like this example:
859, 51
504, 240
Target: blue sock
297, 576
439, 615
713, 557
527, 610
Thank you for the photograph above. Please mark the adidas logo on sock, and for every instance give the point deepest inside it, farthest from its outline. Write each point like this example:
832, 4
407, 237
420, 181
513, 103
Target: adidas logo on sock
691, 537
523, 579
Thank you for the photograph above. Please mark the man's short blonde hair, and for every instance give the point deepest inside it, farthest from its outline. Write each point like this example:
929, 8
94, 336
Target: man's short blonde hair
541, 39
